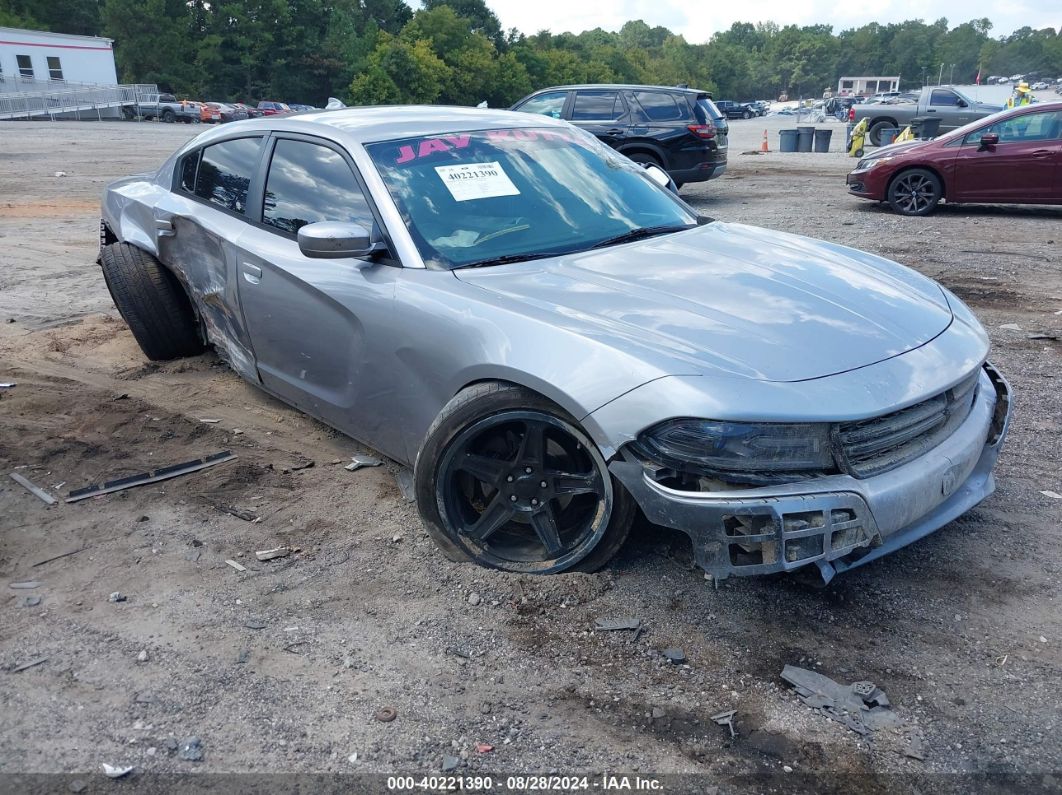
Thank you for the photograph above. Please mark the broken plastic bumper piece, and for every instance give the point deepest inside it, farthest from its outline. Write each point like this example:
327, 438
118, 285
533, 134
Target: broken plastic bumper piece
836, 522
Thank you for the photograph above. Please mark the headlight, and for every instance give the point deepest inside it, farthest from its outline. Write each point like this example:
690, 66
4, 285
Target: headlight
749, 450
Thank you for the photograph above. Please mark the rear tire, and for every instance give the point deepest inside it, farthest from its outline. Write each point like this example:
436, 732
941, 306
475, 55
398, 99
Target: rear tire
646, 159
479, 505
152, 303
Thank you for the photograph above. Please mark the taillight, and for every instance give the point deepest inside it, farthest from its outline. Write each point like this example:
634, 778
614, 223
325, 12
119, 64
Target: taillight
851, 113
705, 131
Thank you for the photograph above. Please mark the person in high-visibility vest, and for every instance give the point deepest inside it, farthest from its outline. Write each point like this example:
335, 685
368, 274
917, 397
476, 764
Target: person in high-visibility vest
1021, 96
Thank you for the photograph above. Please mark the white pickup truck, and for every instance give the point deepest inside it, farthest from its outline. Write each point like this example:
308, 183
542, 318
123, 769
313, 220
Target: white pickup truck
952, 107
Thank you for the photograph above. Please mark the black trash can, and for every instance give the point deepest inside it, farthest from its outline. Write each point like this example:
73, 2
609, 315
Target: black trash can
822, 140
787, 140
805, 138
926, 126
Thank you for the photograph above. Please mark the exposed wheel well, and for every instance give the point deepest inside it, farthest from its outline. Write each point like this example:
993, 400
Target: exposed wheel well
643, 150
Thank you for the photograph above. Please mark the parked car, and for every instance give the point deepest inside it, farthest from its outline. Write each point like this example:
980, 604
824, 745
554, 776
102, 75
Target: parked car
301, 108
734, 110
1040, 85
252, 110
1012, 157
674, 128
230, 112
164, 107
208, 114
952, 107
273, 108
757, 108
550, 339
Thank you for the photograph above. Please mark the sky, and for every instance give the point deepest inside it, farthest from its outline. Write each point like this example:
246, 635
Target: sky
698, 20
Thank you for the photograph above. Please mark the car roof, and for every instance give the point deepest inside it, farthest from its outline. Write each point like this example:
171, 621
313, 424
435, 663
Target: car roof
387, 122
631, 86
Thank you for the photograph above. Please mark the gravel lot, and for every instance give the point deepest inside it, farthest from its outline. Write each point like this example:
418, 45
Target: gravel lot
284, 667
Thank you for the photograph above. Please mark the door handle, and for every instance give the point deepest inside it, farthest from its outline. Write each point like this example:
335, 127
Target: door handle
164, 227
1042, 153
614, 131
252, 273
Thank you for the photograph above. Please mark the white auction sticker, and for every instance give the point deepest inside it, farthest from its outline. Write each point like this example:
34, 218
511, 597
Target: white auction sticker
476, 181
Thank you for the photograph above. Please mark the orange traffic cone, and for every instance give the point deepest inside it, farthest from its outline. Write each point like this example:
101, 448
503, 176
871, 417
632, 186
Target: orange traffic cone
763, 146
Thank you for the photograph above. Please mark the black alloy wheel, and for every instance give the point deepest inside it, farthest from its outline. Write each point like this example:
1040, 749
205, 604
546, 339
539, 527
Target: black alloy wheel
524, 490
915, 192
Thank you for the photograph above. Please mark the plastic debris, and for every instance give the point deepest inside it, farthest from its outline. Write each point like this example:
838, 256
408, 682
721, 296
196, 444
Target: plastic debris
484, 748
386, 714
25, 586
404, 478
1054, 495
191, 750
450, 763
270, 554
861, 706
675, 656
8, 385
236, 565
359, 461
30, 601
162, 473
117, 596
112, 771
726, 719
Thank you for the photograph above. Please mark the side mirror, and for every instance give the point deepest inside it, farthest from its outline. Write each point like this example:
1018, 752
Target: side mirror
961, 103
658, 175
989, 139
336, 240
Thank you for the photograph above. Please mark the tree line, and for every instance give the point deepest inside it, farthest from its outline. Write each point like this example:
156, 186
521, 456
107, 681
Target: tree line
456, 52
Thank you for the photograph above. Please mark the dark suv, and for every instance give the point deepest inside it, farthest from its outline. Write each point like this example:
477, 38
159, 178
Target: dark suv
735, 110
678, 129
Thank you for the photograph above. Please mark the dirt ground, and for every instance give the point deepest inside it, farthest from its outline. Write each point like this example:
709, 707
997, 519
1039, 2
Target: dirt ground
284, 667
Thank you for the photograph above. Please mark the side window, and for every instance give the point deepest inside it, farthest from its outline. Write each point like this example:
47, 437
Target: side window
659, 106
25, 66
549, 104
188, 167
225, 172
597, 105
308, 183
1045, 126
55, 69
943, 98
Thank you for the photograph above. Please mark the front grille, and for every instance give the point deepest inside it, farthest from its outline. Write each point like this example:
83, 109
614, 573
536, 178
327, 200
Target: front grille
870, 447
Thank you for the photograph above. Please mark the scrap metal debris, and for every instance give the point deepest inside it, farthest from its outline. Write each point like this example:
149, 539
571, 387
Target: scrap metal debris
861, 706
359, 461
8, 385
386, 714
726, 719
33, 489
236, 565
27, 665
58, 557
617, 624
154, 476
269, 554
239, 513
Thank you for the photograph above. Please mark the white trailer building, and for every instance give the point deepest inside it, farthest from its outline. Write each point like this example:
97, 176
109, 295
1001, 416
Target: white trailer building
34, 56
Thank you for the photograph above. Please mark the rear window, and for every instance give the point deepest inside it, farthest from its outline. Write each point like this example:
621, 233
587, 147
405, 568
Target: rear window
658, 106
225, 172
707, 111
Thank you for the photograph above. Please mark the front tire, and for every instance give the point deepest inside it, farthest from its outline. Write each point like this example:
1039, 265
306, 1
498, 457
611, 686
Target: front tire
152, 303
168, 116
915, 191
510, 481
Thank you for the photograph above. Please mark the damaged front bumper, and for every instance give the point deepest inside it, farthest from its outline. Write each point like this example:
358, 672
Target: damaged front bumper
836, 522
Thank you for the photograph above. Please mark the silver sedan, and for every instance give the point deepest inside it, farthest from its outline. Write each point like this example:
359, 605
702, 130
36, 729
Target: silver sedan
555, 342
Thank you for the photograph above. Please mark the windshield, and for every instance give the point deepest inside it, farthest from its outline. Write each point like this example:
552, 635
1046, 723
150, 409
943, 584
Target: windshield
491, 196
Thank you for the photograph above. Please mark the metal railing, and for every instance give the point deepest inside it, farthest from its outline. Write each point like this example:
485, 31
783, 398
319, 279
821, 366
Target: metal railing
49, 99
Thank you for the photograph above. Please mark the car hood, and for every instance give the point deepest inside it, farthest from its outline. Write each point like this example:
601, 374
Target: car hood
729, 299
896, 149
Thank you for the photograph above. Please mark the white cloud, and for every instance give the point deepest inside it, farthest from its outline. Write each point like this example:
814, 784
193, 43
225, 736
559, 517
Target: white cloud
697, 21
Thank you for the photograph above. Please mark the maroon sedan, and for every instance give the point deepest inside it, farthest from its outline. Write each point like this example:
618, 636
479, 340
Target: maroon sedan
1013, 157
